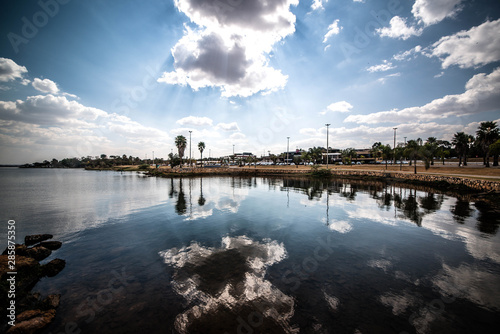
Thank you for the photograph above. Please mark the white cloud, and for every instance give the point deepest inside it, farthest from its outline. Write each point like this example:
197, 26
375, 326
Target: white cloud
317, 5
136, 133
333, 29
472, 48
341, 106
49, 110
385, 66
362, 1
45, 86
399, 29
230, 49
195, 121
407, 55
481, 95
233, 126
392, 75
434, 11
237, 136
10, 71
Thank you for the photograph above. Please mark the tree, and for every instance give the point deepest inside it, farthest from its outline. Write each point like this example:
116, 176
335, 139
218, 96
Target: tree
348, 154
180, 143
487, 134
376, 150
386, 151
461, 141
431, 145
201, 147
413, 152
495, 151
316, 153
443, 149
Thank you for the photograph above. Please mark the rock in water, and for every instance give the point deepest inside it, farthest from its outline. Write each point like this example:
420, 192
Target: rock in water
52, 245
34, 239
32, 321
53, 267
38, 253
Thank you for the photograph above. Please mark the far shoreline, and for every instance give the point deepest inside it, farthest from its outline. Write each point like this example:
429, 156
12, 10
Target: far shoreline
473, 178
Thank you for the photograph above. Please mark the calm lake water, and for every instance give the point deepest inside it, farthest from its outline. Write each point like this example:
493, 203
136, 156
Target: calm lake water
257, 255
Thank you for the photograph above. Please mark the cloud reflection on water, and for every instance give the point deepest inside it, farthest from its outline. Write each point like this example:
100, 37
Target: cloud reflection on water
226, 283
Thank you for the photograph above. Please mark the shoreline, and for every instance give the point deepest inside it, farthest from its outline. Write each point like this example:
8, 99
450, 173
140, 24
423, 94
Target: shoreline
442, 178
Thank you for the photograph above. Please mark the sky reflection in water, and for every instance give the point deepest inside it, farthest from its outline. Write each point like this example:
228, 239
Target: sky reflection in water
431, 289
218, 255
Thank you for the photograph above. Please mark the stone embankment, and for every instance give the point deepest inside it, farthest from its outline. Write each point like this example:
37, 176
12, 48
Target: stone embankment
476, 184
439, 180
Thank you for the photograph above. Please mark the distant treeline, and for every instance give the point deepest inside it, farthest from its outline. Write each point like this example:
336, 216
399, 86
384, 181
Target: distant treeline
98, 162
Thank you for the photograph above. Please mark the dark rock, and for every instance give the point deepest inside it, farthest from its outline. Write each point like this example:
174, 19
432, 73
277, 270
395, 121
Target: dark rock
19, 249
53, 268
52, 245
34, 239
28, 271
52, 301
32, 321
38, 253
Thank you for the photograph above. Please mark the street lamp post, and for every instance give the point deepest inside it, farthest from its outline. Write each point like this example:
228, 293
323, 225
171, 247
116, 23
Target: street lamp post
287, 149
395, 145
190, 147
327, 125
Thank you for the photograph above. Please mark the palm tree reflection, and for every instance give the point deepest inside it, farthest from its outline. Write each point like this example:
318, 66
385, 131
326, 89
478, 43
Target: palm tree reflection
180, 205
201, 199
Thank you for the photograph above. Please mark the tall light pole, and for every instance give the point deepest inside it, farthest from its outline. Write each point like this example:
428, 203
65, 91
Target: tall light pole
395, 145
190, 147
154, 158
287, 149
327, 125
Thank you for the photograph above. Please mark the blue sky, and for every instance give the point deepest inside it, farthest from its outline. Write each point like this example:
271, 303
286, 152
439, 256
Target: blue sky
84, 78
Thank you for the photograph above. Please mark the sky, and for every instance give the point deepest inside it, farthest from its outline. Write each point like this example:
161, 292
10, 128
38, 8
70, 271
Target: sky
85, 78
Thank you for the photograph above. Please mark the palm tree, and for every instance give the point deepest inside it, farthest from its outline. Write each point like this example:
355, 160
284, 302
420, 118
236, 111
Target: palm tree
376, 150
487, 134
431, 145
386, 153
495, 151
443, 149
348, 154
413, 152
461, 141
181, 142
201, 147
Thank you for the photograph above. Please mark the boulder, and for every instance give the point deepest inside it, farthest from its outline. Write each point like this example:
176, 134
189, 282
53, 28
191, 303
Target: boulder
52, 301
32, 321
19, 249
52, 245
28, 271
53, 267
36, 238
38, 253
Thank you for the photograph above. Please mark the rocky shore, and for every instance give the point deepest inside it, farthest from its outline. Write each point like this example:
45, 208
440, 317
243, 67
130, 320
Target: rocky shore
439, 181
27, 312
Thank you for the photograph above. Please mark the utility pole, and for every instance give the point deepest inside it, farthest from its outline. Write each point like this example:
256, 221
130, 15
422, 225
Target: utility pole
395, 145
190, 147
327, 125
287, 145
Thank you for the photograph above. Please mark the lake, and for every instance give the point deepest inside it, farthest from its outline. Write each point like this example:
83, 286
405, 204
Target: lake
257, 255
